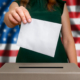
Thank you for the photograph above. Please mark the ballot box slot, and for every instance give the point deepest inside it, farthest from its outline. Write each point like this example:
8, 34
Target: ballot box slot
41, 67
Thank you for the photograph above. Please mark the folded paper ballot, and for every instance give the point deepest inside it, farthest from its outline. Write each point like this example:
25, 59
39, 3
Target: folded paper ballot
39, 36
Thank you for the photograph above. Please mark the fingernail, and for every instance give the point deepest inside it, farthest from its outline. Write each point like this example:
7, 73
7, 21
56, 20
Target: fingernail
25, 21
29, 20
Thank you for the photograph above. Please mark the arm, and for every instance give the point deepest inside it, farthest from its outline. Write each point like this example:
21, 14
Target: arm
16, 14
6, 20
67, 37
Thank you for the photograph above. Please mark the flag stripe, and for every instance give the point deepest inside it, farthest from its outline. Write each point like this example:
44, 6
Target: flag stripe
10, 47
7, 59
77, 40
78, 59
73, 8
76, 34
13, 59
15, 53
74, 14
78, 52
79, 64
72, 2
75, 27
8, 52
1, 64
75, 21
15, 47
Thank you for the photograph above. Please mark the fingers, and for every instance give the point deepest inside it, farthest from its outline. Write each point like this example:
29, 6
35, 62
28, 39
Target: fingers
12, 19
21, 14
26, 13
16, 16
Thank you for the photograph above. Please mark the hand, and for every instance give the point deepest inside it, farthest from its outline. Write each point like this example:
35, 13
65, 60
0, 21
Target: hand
19, 14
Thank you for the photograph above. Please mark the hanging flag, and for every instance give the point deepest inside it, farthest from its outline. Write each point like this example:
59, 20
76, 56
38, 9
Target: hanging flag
9, 36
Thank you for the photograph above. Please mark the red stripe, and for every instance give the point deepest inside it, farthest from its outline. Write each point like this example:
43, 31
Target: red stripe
78, 52
74, 14
1, 64
72, 2
79, 65
14, 53
75, 27
8, 52
77, 40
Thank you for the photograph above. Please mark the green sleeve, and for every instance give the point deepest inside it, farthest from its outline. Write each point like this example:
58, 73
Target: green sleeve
61, 4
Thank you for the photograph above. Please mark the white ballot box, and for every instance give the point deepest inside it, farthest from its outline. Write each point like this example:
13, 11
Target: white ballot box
39, 71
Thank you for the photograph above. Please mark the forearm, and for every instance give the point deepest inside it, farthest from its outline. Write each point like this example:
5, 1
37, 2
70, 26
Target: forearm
71, 51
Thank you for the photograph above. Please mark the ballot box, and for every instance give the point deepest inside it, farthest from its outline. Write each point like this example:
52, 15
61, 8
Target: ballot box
39, 71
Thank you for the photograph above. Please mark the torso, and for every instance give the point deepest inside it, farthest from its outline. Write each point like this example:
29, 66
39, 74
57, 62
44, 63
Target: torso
38, 11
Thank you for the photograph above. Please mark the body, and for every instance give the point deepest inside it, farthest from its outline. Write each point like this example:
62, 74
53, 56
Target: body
17, 13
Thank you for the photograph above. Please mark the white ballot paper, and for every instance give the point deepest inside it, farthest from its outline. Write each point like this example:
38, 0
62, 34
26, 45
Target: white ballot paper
39, 36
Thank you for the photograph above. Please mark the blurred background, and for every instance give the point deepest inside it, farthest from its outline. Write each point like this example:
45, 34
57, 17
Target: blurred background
8, 36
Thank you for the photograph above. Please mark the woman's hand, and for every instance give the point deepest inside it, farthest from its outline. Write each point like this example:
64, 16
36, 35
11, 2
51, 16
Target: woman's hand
19, 14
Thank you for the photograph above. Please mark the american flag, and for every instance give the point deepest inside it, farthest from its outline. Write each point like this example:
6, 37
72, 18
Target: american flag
9, 36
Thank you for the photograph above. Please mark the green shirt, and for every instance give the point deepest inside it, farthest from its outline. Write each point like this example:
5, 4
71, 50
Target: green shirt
38, 10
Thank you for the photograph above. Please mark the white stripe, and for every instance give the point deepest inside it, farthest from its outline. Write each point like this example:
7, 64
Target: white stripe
76, 33
7, 59
13, 59
14, 47
77, 46
9, 47
75, 21
73, 8
78, 59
